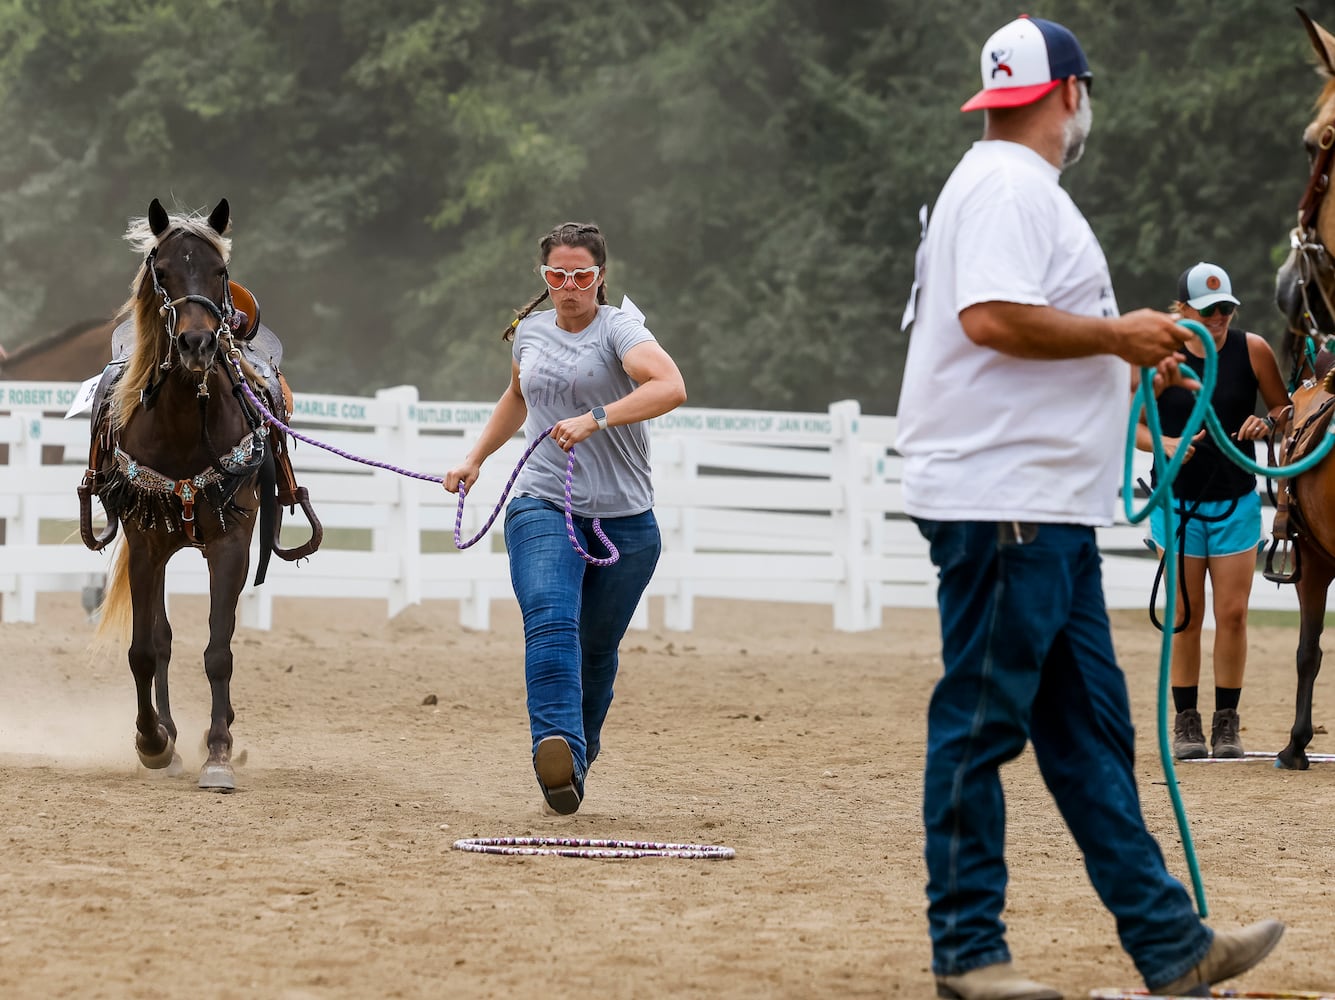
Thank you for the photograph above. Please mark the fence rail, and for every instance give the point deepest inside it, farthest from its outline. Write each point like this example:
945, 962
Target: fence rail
754, 505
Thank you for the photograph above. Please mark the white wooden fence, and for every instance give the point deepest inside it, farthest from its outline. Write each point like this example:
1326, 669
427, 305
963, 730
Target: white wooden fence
754, 505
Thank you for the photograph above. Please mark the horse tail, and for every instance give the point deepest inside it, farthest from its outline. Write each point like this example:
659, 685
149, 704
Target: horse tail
115, 618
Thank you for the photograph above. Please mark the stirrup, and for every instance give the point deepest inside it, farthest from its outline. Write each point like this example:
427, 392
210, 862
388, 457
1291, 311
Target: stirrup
301, 551
1290, 564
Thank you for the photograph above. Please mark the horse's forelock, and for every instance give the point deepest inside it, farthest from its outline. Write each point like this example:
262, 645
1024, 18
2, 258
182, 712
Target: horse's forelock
139, 234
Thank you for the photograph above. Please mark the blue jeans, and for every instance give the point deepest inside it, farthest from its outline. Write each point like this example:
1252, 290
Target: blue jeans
1028, 656
574, 615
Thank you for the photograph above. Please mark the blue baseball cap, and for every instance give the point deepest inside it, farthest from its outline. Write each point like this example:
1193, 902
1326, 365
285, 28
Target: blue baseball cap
1026, 60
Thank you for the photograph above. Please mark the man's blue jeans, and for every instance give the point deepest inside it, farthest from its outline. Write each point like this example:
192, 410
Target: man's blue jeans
575, 615
1028, 656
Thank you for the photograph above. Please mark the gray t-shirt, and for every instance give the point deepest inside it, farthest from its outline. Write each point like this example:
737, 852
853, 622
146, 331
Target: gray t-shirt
565, 374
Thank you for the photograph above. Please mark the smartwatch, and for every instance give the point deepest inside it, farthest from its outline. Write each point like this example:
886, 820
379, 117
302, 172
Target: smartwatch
599, 417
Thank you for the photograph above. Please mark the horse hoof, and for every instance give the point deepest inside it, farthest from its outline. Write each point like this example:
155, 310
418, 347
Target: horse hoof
217, 778
173, 770
1288, 761
238, 758
158, 761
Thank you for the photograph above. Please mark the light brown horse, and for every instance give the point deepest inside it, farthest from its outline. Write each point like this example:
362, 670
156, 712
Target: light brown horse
1305, 294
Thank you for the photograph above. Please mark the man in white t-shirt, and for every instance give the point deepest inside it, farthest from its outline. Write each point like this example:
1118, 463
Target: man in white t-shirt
1012, 419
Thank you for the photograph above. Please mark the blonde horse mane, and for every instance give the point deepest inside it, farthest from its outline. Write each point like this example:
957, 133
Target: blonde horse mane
150, 332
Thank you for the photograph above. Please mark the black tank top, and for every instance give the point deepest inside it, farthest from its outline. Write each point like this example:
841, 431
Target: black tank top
1209, 474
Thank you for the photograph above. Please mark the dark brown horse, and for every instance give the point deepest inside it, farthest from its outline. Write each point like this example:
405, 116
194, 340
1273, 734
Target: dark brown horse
1305, 293
181, 460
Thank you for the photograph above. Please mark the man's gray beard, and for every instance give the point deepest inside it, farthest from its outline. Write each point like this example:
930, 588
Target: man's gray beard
1073, 153
1076, 130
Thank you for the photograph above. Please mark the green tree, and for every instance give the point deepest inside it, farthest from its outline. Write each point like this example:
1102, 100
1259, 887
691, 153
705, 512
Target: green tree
757, 166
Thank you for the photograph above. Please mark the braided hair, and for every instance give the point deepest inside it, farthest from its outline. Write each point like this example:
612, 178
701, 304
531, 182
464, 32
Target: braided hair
568, 234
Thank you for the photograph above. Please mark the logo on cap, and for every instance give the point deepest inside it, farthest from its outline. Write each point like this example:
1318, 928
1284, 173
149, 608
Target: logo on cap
1212, 282
1000, 57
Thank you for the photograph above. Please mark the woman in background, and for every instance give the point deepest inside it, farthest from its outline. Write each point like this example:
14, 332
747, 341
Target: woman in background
1218, 509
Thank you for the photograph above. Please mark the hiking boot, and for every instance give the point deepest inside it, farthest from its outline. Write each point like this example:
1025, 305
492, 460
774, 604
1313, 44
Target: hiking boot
1231, 954
555, 766
1224, 738
1188, 736
993, 982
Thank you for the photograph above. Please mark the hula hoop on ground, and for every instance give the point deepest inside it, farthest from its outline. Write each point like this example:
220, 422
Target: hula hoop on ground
1239, 994
573, 847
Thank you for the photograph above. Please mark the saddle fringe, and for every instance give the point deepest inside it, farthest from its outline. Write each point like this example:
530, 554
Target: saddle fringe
104, 479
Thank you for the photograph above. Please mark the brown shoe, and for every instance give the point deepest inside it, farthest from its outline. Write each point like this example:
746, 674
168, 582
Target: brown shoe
993, 982
1231, 954
1224, 738
1188, 736
554, 765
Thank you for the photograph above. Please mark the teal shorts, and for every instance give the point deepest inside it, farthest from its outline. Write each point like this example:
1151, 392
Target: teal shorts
1209, 532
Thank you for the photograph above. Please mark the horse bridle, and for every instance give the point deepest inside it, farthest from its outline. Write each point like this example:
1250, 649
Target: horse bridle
224, 314
1315, 266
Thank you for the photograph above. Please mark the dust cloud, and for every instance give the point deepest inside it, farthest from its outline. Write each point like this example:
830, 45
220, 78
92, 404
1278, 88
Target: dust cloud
76, 713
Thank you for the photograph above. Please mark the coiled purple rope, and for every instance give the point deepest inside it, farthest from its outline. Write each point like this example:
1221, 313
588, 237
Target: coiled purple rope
570, 523
459, 515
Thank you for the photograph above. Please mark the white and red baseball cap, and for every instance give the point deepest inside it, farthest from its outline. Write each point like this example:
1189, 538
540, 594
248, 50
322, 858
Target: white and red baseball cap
1026, 60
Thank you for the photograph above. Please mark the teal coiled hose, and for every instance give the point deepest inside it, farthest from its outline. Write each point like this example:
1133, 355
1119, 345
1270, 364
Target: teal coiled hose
1162, 496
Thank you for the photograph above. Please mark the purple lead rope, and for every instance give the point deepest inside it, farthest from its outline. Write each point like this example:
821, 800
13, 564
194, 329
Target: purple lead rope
459, 515
570, 522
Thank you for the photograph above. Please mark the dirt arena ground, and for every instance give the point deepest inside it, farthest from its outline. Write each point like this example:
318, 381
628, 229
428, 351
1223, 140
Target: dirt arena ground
330, 872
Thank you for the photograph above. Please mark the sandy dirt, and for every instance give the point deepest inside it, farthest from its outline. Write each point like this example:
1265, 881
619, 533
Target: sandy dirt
330, 872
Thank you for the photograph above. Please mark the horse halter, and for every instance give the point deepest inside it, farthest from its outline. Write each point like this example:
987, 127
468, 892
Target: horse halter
224, 314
